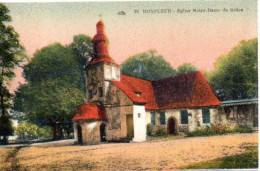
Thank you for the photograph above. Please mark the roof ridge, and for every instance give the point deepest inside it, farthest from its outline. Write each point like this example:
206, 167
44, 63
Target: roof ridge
176, 76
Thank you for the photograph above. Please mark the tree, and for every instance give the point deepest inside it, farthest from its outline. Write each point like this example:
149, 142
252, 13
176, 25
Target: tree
235, 74
147, 66
186, 68
26, 130
83, 48
11, 55
54, 88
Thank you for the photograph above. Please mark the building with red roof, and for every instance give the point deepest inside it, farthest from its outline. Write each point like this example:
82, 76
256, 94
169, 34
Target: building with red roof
120, 107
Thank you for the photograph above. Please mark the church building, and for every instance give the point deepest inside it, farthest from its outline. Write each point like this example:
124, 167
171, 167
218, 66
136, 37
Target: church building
119, 107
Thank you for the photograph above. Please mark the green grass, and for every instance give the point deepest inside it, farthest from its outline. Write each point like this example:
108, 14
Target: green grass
164, 137
245, 160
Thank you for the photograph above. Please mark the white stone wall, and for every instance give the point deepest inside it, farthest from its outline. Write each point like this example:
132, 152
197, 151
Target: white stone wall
194, 119
111, 72
75, 132
173, 113
195, 116
139, 123
214, 115
148, 117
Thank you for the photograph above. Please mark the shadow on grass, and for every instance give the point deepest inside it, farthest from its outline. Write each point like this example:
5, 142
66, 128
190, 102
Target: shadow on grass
248, 159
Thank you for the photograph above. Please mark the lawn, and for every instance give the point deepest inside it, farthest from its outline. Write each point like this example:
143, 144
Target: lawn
245, 160
164, 137
3, 158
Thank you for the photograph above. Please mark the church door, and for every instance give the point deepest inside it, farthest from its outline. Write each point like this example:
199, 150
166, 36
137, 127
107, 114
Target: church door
79, 134
130, 126
103, 132
172, 126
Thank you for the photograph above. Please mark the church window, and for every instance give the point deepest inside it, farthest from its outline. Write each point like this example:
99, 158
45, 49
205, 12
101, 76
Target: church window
100, 89
184, 117
162, 118
153, 118
206, 115
90, 94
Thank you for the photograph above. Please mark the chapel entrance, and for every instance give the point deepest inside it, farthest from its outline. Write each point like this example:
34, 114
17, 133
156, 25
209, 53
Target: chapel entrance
130, 126
172, 126
103, 132
79, 134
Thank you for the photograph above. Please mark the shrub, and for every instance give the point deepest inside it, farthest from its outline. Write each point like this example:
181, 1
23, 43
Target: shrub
27, 130
243, 129
219, 128
161, 132
149, 129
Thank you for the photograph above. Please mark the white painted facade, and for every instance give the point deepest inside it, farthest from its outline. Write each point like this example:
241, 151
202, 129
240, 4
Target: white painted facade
139, 123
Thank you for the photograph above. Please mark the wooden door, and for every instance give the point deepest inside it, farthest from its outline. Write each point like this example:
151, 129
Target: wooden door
130, 126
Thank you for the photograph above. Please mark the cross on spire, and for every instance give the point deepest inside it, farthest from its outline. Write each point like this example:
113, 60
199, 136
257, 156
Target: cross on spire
100, 15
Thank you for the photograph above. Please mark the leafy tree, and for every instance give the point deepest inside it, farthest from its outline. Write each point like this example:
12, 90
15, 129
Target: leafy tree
26, 129
83, 48
235, 74
54, 88
147, 66
11, 55
186, 68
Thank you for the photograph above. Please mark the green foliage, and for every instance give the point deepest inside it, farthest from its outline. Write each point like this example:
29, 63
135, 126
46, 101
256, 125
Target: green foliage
235, 75
55, 87
11, 55
149, 129
243, 161
29, 130
161, 132
147, 66
83, 48
243, 129
219, 128
186, 68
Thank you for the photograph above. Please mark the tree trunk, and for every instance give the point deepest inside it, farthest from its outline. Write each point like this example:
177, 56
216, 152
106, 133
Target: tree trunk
2, 99
5, 138
57, 132
54, 132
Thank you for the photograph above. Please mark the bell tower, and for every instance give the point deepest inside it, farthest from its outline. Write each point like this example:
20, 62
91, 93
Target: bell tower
101, 69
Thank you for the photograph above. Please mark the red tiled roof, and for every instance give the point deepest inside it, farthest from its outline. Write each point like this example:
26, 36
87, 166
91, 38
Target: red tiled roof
89, 111
184, 91
132, 86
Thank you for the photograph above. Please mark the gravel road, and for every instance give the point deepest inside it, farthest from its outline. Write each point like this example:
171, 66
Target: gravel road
161, 154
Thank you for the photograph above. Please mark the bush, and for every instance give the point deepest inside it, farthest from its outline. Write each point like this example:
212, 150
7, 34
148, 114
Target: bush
27, 130
149, 130
161, 132
219, 128
243, 129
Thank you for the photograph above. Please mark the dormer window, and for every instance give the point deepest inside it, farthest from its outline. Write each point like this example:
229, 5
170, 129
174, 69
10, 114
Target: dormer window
138, 94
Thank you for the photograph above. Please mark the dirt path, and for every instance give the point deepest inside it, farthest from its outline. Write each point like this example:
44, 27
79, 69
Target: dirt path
168, 154
11, 161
